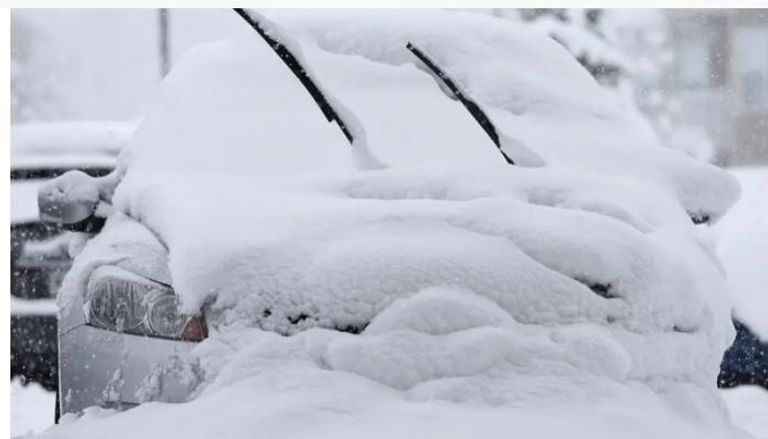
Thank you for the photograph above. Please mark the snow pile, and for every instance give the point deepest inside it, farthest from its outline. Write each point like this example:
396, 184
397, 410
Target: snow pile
583, 44
743, 246
748, 406
448, 291
31, 408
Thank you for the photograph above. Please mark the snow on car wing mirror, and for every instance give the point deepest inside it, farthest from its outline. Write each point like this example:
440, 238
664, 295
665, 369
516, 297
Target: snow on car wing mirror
70, 200
513, 150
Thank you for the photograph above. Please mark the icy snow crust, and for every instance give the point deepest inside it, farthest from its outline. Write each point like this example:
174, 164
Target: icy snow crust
447, 294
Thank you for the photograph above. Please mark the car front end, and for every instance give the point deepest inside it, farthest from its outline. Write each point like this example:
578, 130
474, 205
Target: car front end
122, 336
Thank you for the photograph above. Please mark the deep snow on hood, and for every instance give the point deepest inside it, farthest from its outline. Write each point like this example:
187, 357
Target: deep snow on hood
455, 279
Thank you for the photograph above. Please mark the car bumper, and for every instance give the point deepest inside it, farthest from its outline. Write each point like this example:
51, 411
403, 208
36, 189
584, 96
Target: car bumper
115, 370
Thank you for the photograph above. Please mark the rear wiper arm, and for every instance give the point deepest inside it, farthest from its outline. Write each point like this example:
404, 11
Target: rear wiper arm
471, 106
295, 66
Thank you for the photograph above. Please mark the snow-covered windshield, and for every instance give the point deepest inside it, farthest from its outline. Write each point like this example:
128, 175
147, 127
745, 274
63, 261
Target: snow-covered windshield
237, 98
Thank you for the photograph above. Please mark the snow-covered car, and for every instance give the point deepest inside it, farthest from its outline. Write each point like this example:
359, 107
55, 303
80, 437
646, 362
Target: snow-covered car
408, 280
39, 257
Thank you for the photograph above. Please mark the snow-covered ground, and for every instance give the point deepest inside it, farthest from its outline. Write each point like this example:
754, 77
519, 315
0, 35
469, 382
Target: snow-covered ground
749, 409
32, 408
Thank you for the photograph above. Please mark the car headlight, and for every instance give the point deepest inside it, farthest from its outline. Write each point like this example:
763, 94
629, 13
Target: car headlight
121, 301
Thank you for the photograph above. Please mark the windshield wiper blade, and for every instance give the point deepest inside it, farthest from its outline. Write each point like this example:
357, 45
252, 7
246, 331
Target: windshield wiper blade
474, 109
295, 66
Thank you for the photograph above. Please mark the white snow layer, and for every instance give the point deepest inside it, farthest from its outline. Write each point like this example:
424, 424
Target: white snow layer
571, 300
582, 43
743, 246
24, 200
749, 408
33, 306
32, 408
68, 143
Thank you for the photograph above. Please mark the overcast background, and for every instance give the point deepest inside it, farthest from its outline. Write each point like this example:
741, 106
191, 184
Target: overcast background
105, 63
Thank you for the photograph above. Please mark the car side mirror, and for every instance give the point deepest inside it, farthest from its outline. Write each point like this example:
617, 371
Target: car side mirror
70, 201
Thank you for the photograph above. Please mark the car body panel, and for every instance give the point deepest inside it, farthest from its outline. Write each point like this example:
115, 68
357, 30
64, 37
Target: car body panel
99, 367
112, 369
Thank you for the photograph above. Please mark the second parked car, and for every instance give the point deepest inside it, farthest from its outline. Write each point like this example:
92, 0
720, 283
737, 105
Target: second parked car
40, 251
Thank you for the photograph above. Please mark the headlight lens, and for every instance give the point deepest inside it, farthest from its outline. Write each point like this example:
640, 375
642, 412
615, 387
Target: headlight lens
164, 317
116, 304
120, 301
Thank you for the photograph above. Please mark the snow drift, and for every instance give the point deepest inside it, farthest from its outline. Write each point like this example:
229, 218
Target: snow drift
743, 246
447, 294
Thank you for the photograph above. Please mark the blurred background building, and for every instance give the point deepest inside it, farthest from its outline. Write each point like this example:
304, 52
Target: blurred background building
720, 78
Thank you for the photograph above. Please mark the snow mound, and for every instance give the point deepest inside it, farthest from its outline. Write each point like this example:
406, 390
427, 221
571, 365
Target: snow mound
742, 240
26, 403
748, 406
581, 43
447, 289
